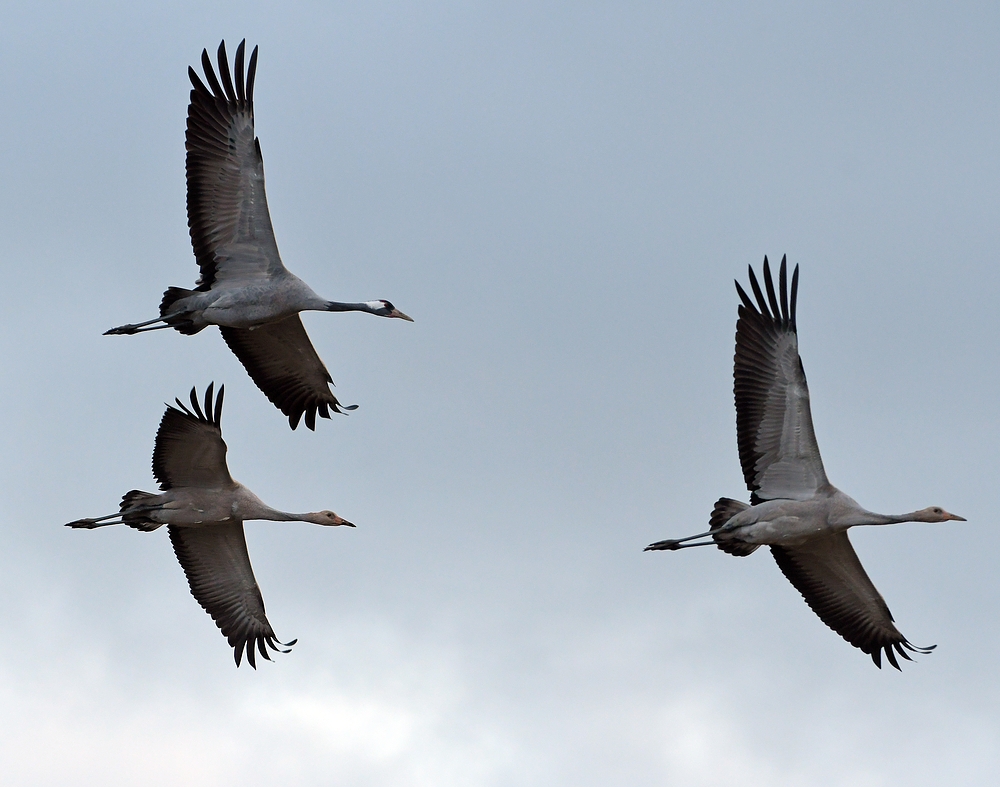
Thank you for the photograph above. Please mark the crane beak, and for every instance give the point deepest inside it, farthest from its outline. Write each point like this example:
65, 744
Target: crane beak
957, 518
339, 520
400, 315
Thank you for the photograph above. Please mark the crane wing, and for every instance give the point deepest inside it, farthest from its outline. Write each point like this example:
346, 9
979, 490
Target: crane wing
218, 571
828, 574
227, 208
774, 428
189, 450
283, 363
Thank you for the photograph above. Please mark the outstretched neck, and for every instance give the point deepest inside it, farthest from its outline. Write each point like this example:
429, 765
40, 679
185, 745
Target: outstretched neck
263, 511
252, 507
272, 514
367, 306
871, 518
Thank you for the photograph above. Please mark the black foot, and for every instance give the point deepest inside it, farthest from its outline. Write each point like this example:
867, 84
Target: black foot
90, 524
670, 544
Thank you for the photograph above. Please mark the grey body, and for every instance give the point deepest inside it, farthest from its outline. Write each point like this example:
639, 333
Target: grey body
795, 510
792, 522
250, 305
192, 507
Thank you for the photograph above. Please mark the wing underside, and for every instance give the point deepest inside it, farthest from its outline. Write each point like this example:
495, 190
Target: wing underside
228, 218
189, 449
777, 446
217, 566
283, 363
831, 579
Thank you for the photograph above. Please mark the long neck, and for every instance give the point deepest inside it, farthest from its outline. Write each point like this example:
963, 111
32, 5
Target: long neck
252, 507
334, 306
272, 514
871, 518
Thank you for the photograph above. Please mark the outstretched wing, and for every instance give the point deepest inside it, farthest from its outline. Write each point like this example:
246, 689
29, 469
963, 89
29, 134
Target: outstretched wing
774, 428
227, 208
190, 451
283, 363
828, 574
217, 566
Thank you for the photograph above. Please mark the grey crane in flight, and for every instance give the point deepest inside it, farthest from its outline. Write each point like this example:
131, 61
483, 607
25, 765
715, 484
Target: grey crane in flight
794, 509
204, 509
244, 288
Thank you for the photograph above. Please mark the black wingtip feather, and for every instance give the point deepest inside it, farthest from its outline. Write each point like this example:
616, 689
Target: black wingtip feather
211, 414
761, 303
240, 87
769, 284
213, 81
208, 400
196, 81
783, 290
227, 80
795, 297
744, 297
195, 404
218, 405
261, 643
775, 305
251, 74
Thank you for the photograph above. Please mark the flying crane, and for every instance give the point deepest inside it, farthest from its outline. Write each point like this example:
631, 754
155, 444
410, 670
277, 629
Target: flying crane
204, 510
244, 288
794, 509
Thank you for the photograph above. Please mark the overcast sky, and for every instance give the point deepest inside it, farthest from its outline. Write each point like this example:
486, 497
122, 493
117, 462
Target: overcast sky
561, 196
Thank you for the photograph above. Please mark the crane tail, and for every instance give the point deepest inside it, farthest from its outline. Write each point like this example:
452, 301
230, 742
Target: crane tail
134, 509
725, 509
179, 321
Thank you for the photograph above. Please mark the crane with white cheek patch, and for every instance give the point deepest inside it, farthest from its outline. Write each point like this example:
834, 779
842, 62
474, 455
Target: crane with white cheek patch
244, 288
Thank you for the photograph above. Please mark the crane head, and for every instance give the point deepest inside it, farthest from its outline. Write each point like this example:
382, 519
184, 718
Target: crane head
330, 519
386, 309
938, 514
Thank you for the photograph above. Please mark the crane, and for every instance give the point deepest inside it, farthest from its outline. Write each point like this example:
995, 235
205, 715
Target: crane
794, 509
244, 288
204, 510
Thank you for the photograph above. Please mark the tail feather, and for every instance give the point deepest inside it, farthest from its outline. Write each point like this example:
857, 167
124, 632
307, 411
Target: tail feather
725, 509
179, 322
132, 512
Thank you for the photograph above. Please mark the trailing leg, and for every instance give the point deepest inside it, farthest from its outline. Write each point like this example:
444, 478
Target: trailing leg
100, 521
139, 327
725, 509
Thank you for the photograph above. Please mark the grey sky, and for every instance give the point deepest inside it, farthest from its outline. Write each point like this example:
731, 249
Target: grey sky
561, 196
